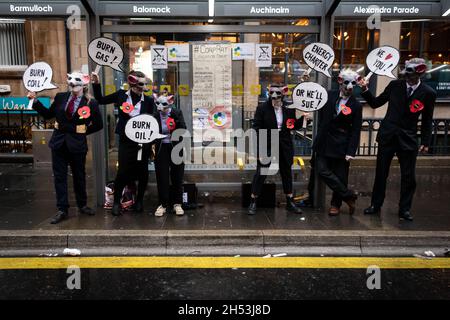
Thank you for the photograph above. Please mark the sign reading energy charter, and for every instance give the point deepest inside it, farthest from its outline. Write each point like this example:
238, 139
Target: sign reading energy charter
319, 57
212, 93
308, 97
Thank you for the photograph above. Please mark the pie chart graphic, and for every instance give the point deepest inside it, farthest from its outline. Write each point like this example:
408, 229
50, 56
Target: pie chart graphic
220, 118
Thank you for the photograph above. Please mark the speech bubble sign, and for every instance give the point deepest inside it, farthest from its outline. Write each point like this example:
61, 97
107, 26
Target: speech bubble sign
106, 52
382, 61
319, 56
308, 97
38, 77
143, 129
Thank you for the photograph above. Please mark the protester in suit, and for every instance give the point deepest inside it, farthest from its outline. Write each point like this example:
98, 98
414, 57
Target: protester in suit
337, 140
274, 114
169, 120
76, 117
407, 99
129, 103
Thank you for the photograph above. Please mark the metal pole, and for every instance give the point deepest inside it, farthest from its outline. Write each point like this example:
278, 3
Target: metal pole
98, 139
326, 31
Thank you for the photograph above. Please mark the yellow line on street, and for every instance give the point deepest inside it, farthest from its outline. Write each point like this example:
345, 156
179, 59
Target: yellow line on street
222, 262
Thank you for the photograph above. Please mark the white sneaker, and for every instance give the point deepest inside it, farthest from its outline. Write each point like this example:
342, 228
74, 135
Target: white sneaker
160, 211
178, 209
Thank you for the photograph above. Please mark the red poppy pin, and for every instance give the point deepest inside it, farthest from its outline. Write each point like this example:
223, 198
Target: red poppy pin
416, 106
290, 123
345, 110
127, 107
84, 112
170, 122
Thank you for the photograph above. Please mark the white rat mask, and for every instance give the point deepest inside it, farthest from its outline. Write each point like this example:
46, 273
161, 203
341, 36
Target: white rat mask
163, 103
76, 81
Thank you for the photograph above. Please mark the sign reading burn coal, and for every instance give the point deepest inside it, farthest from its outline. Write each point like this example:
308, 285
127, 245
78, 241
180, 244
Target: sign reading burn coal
143, 129
106, 52
319, 57
38, 77
382, 61
308, 97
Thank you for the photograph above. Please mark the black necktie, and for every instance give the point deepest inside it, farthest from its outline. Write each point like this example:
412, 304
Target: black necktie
410, 91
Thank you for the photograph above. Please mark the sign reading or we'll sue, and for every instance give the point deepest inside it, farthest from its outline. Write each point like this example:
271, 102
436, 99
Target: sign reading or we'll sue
20, 104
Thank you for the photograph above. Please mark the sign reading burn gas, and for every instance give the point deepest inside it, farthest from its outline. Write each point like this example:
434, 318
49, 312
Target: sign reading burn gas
319, 57
308, 97
105, 52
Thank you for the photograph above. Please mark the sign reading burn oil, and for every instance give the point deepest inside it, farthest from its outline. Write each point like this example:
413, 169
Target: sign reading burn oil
319, 57
308, 97
105, 52
142, 129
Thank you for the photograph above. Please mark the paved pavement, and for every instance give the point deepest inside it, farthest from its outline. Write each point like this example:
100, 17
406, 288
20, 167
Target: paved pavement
27, 202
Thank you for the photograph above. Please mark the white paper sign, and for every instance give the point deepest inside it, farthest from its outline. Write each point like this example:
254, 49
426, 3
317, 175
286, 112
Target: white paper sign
38, 77
382, 61
308, 97
106, 52
159, 57
178, 52
143, 129
319, 57
263, 55
243, 51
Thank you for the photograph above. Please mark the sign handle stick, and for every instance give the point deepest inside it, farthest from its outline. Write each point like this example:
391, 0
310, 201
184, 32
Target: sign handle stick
369, 75
139, 154
97, 69
307, 72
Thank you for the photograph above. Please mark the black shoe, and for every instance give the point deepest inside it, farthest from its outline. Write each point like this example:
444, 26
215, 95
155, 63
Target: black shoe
86, 210
372, 210
291, 206
351, 202
60, 216
138, 207
252, 207
115, 211
405, 215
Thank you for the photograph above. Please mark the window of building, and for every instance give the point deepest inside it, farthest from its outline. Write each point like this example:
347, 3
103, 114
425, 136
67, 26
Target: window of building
12, 43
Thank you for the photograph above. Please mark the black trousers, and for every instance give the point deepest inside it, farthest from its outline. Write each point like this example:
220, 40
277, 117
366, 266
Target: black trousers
285, 168
407, 160
334, 172
166, 170
130, 169
61, 159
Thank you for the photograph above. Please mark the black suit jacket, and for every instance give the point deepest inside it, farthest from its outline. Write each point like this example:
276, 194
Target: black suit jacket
399, 120
265, 118
119, 97
177, 116
67, 128
338, 135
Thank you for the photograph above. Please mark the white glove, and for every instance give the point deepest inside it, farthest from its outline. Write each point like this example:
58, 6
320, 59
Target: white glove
348, 158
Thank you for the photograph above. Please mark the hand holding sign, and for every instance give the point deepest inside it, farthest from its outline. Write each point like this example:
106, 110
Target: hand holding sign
38, 77
382, 61
308, 96
105, 52
320, 57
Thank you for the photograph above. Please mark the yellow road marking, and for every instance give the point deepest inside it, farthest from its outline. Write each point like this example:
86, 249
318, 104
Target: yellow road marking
223, 262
